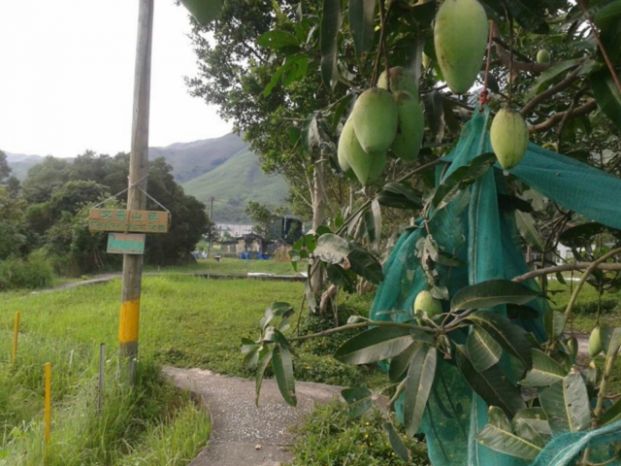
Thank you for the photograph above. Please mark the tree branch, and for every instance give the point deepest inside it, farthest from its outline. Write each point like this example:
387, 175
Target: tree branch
565, 83
557, 117
564, 268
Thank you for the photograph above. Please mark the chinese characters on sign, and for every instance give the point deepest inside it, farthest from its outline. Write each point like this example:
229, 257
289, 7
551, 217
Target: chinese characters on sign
143, 221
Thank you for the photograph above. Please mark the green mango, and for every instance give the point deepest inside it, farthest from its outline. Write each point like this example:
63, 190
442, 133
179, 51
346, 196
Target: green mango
411, 126
543, 57
375, 119
595, 342
426, 305
460, 38
401, 79
351, 157
509, 137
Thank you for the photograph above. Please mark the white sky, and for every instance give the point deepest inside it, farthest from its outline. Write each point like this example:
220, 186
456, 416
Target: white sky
66, 77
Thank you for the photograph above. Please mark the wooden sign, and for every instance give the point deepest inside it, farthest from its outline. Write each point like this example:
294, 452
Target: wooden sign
125, 243
144, 221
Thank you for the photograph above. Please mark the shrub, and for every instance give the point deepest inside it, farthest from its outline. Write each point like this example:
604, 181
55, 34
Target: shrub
33, 272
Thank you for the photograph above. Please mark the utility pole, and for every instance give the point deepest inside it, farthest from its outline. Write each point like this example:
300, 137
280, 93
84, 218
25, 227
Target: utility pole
136, 199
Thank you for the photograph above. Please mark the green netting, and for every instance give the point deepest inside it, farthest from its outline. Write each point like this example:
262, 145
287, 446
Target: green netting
474, 229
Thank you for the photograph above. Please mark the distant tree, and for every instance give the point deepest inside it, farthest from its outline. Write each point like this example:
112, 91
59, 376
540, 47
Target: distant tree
5, 170
44, 178
262, 218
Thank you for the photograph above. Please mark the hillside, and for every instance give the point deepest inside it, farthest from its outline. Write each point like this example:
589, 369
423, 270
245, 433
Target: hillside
233, 184
21, 163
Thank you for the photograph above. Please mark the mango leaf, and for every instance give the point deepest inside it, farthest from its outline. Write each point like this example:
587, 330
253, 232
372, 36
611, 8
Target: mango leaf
612, 414
483, 350
575, 237
204, 11
491, 293
461, 178
526, 226
492, 384
277, 40
331, 248
264, 358
365, 264
399, 196
361, 19
282, 363
294, 68
276, 309
399, 364
535, 418
418, 385
552, 74
554, 323
512, 338
330, 25
396, 443
379, 343
566, 404
358, 399
545, 371
607, 95
515, 311
505, 441
498, 418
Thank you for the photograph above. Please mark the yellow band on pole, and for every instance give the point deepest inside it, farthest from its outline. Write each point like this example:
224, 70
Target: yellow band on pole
47, 408
129, 321
15, 337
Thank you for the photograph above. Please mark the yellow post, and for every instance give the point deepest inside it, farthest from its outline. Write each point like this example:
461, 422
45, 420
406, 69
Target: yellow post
15, 337
47, 408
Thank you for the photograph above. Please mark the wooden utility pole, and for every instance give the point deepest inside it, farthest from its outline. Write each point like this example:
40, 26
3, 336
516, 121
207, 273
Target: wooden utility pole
136, 198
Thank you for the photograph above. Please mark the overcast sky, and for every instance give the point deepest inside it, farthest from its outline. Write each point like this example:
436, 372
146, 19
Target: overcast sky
66, 77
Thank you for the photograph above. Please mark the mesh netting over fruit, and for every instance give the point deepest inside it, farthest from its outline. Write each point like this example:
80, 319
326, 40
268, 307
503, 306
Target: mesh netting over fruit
482, 235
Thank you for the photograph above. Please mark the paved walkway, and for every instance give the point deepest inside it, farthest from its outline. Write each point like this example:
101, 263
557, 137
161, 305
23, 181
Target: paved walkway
242, 433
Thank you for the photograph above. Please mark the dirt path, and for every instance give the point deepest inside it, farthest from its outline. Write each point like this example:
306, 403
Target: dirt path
242, 433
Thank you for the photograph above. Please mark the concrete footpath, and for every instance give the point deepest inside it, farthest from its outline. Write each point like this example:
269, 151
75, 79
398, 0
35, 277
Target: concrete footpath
242, 433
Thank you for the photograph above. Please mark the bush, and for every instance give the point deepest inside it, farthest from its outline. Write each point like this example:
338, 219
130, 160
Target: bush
332, 437
33, 272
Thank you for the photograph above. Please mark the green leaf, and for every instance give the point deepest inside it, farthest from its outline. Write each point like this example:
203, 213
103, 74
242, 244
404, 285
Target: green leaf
361, 19
545, 371
264, 358
294, 68
330, 25
399, 364
566, 404
418, 385
575, 237
505, 441
513, 338
365, 264
276, 309
461, 178
492, 384
204, 11
277, 40
483, 350
552, 74
491, 293
607, 95
282, 363
379, 343
399, 196
612, 414
498, 418
358, 399
396, 443
332, 248
535, 418
554, 323
526, 226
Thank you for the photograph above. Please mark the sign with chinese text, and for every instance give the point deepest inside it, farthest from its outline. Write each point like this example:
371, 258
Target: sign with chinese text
143, 221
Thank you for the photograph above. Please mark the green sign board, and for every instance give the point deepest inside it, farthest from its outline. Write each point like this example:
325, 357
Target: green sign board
125, 243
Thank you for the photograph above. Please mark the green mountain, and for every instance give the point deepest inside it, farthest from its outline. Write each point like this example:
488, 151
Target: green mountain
233, 183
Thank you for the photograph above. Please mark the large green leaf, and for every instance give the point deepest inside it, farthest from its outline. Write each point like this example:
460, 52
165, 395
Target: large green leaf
379, 343
483, 350
365, 264
554, 323
612, 414
418, 385
264, 358
204, 11
552, 74
526, 225
461, 178
545, 371
277, 39
396, 443
491, 293
282, 363
330, 24
607, 95
400, 363
492, 384
505, 441
332, 248
513, 338
535, 418
399, 196
566, 404
358, 399
361, 19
